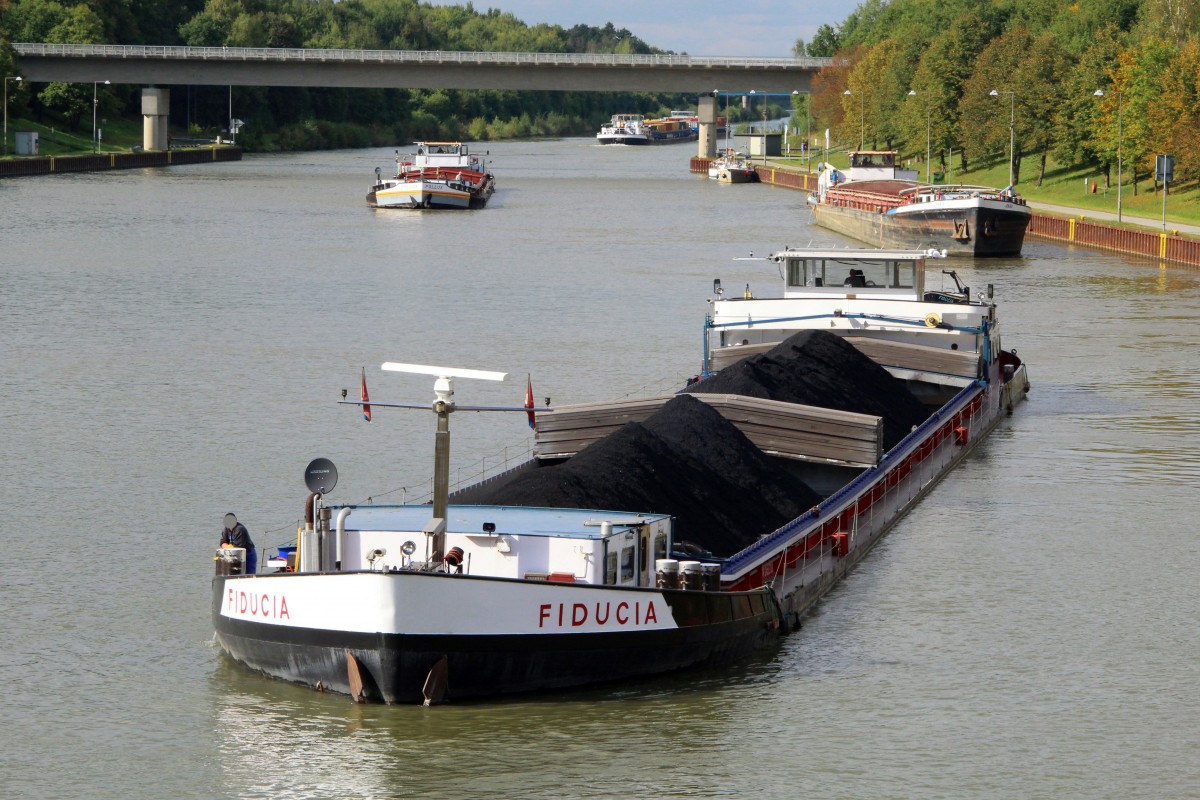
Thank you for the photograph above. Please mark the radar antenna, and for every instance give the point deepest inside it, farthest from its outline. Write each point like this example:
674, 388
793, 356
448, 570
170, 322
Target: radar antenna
443, 405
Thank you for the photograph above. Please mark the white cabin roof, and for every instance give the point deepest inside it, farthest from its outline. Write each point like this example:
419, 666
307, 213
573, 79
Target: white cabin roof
574, 523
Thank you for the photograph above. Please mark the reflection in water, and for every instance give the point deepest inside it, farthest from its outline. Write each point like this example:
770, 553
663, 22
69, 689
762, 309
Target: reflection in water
1027, 631
281, 741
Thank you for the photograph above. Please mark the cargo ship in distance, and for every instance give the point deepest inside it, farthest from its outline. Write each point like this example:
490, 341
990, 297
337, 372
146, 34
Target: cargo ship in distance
650, 535
875, 202
636, 129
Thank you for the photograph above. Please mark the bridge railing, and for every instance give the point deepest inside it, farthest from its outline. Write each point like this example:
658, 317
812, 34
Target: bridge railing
407, 56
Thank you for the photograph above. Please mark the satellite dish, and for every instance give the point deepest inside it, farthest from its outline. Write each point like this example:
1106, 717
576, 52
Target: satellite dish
320, 476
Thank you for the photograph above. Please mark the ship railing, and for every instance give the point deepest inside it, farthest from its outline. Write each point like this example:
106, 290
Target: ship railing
864, 523
773, 545
857, 198
938, 190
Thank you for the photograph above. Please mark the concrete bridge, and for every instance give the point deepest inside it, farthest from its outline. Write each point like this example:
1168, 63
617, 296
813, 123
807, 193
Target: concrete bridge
397, 69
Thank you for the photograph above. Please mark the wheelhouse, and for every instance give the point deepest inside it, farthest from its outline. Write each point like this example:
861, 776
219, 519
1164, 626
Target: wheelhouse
867, 273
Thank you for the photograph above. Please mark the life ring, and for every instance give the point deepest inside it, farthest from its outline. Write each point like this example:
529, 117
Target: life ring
932, 320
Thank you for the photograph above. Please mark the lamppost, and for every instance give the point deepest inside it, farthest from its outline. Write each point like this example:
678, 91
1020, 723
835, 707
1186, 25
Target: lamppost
1102, 93
763, 132
862, 118
913, 93
1012, 128
95, 102
18, 79
807, 125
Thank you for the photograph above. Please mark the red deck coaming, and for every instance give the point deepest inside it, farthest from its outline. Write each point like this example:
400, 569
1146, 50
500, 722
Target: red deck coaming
441, 173
817, 536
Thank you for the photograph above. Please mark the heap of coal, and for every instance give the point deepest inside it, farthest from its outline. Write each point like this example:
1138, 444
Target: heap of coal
685, 460
818, 368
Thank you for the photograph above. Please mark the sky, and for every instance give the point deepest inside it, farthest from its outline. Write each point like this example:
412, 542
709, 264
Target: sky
762, 28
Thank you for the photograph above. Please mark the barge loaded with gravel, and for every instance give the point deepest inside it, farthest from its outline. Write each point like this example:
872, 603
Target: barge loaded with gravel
649, 535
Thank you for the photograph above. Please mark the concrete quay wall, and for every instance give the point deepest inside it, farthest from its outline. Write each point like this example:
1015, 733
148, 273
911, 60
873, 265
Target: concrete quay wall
52, 165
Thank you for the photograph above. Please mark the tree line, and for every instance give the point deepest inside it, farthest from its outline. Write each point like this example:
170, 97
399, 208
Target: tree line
307, 118
1078, 82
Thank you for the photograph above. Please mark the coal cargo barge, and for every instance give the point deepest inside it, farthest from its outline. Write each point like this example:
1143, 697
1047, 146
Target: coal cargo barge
820, 417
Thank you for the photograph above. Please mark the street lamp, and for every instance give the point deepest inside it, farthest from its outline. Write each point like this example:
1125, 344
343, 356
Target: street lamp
18, 79
913, 93
1102, 93
95, 102
807, 123
862, 118
1012, 128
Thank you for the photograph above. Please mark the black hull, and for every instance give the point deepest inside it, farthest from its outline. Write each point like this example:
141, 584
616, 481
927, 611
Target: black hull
394, 667
973, 232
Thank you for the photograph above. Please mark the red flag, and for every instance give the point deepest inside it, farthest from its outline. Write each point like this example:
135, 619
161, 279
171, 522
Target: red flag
365, 397
529, 402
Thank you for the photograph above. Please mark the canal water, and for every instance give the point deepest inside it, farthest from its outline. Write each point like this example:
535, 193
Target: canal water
176, 341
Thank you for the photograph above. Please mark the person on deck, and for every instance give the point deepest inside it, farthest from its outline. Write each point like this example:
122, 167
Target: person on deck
236, 535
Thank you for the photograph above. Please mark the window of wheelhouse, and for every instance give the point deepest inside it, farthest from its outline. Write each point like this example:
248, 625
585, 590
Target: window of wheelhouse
803, 272
628, 563
796, 276
660, 545
610, 569
903, 274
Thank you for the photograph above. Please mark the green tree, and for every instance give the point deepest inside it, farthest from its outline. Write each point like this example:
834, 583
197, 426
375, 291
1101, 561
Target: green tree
992, 124
879, 81
1175, 114
1043, 92
1172, 21
1085, 126
942, 73
825, 43
1139, 76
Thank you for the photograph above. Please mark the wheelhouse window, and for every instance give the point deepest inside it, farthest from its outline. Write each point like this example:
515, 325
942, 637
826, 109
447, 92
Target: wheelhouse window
610, 569
797, 272
627, 564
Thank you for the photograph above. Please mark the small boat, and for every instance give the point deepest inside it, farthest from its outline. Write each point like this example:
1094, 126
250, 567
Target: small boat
624, 129
733, 168
501, 587
437, 175
876, 202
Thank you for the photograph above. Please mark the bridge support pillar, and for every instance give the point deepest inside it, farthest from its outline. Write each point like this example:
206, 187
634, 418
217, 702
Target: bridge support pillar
156, 105
707, 114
